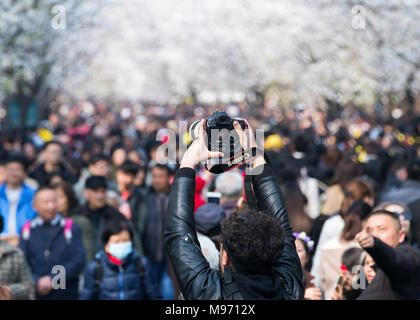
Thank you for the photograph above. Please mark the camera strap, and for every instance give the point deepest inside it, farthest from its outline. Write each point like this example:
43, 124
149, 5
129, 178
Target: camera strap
243, 158
251, 199
235, 161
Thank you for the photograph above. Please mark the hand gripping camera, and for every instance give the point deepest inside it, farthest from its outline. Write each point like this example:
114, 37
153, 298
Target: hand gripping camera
222, 137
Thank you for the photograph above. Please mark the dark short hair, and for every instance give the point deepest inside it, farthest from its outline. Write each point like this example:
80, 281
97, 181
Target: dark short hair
114, 226
98, 158
96, 182
393, 215
162, 167
253, 240
413, 169
352, 257
52, 175
43, 188
45, 146
129, 167
17, 157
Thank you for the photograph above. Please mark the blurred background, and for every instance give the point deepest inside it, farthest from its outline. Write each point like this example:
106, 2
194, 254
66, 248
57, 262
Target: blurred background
97, 88
271, 53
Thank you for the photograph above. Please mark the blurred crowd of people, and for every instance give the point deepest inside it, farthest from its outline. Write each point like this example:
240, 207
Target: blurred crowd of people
85, 191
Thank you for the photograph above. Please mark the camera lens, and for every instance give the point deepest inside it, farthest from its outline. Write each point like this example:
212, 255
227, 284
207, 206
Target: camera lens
223, 120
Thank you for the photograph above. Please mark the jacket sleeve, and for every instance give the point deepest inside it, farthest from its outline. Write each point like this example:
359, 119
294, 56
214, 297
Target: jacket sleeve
24, 289
195, 277
136, 238
398, 263
74, 266
87, 235
270, 200
89, 291
415, 222
152, 291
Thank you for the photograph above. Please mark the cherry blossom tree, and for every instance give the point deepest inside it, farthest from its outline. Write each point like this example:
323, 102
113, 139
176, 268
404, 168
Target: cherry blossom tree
37, 39
345, 50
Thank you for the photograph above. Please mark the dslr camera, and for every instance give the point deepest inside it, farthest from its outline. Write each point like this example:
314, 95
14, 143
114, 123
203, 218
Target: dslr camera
221, 134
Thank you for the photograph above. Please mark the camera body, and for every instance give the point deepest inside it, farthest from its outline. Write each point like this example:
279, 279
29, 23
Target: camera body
221, 134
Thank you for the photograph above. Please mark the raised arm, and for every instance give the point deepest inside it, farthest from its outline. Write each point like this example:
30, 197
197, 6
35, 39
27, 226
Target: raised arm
196, 279
271, 202
397, 263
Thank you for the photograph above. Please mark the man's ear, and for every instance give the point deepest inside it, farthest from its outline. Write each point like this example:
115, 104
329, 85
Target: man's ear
369, 201
34, 205
85, 193
106, 247
224, 259
401, 236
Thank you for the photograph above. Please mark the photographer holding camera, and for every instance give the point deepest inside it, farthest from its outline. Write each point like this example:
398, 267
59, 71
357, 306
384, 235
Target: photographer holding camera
258, 258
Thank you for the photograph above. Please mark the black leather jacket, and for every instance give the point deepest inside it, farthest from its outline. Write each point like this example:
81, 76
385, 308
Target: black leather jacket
196, 279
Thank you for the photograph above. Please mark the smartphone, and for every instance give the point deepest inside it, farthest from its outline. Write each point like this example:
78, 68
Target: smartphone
213, 197
339, 282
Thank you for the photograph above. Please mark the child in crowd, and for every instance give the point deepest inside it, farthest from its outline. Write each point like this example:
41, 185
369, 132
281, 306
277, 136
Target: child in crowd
118, 272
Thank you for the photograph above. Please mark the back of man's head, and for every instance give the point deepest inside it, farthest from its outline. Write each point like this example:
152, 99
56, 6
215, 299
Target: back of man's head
229, 184
300, 142
253, 241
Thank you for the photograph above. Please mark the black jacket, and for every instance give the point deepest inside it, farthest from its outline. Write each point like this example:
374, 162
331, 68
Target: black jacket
120, 282
397, 274
140, 213
46, 246
415, 222
196, 279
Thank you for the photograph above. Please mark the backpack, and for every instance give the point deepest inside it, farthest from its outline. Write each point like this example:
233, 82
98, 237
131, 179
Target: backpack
99, 273
230, 290
66, 223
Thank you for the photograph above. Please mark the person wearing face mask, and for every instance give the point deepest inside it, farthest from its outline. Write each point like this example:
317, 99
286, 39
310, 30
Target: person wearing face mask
118, 272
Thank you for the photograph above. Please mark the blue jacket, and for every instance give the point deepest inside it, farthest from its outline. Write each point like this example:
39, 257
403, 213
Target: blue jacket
47, 246
24, 212
119, 282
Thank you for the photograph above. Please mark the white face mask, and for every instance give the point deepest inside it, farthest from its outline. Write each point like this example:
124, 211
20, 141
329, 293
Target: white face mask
120, 250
